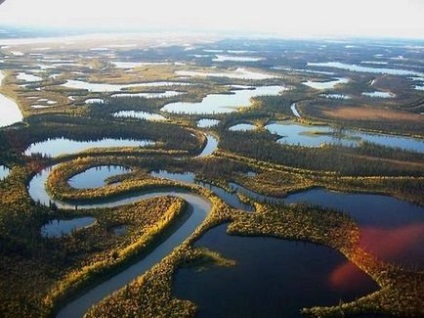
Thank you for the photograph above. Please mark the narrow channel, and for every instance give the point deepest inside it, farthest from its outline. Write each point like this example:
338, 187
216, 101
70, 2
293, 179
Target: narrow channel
198, 206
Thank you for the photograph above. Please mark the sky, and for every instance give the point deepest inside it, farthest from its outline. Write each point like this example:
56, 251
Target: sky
294, 18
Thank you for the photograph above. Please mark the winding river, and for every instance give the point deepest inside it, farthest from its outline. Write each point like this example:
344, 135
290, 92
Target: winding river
199, 208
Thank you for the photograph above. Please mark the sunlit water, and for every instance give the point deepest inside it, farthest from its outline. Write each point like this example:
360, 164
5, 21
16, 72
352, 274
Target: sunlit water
60, 146
96, 177
314, 136
139, 115
222, 103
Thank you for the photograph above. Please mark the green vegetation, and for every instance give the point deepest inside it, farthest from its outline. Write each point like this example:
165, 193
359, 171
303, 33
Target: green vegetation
39, 275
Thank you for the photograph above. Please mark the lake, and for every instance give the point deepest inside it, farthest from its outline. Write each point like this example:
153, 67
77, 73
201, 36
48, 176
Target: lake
60, 146
326, 85
222, 103
9, 110
271, 278
314, 136
366, 69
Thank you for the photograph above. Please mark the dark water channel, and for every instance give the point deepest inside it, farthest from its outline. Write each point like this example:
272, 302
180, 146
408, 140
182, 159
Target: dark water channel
272, 278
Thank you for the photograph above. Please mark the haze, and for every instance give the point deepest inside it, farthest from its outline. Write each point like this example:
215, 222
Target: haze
300, 18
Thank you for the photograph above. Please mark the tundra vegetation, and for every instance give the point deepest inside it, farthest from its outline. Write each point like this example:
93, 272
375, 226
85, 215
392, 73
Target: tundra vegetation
39, 275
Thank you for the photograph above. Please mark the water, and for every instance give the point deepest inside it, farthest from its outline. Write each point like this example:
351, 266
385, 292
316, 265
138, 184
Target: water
99, 87
379, 94
221, 103
94, 101
239, 73
315, 136
366, 69
60, 146
9, 110
200, 209
391, 229
294, 110
28, 77
335, 96
211, 146
231, 199
309, 136
129, 65
165, 94
242, 127
326, 85
420, 80
58, 228
4, 172
139, 115
207, 123
374, 213
230, 58
96, 177
272, 278
187, 177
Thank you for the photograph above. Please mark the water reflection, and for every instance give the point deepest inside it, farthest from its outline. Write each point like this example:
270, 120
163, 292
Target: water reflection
60, 146
58, 228
314, 136
96, 177
222, 103
271, 278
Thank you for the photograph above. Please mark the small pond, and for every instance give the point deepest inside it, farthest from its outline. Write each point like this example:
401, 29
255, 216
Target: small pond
60, 146
58, 228
272, 278
28, 77
94, 101
4, 172
335, 96
96, 177
222, 103
326, 85
379, 94
207, 123
139, 115
243, 127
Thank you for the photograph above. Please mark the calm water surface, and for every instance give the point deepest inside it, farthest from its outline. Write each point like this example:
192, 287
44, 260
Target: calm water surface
242, 127
314, 136
207, 123
222, 103
9, 110
96, 177
58, 228
139, 115
59, 146
272, 278
4, 172
366, 69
